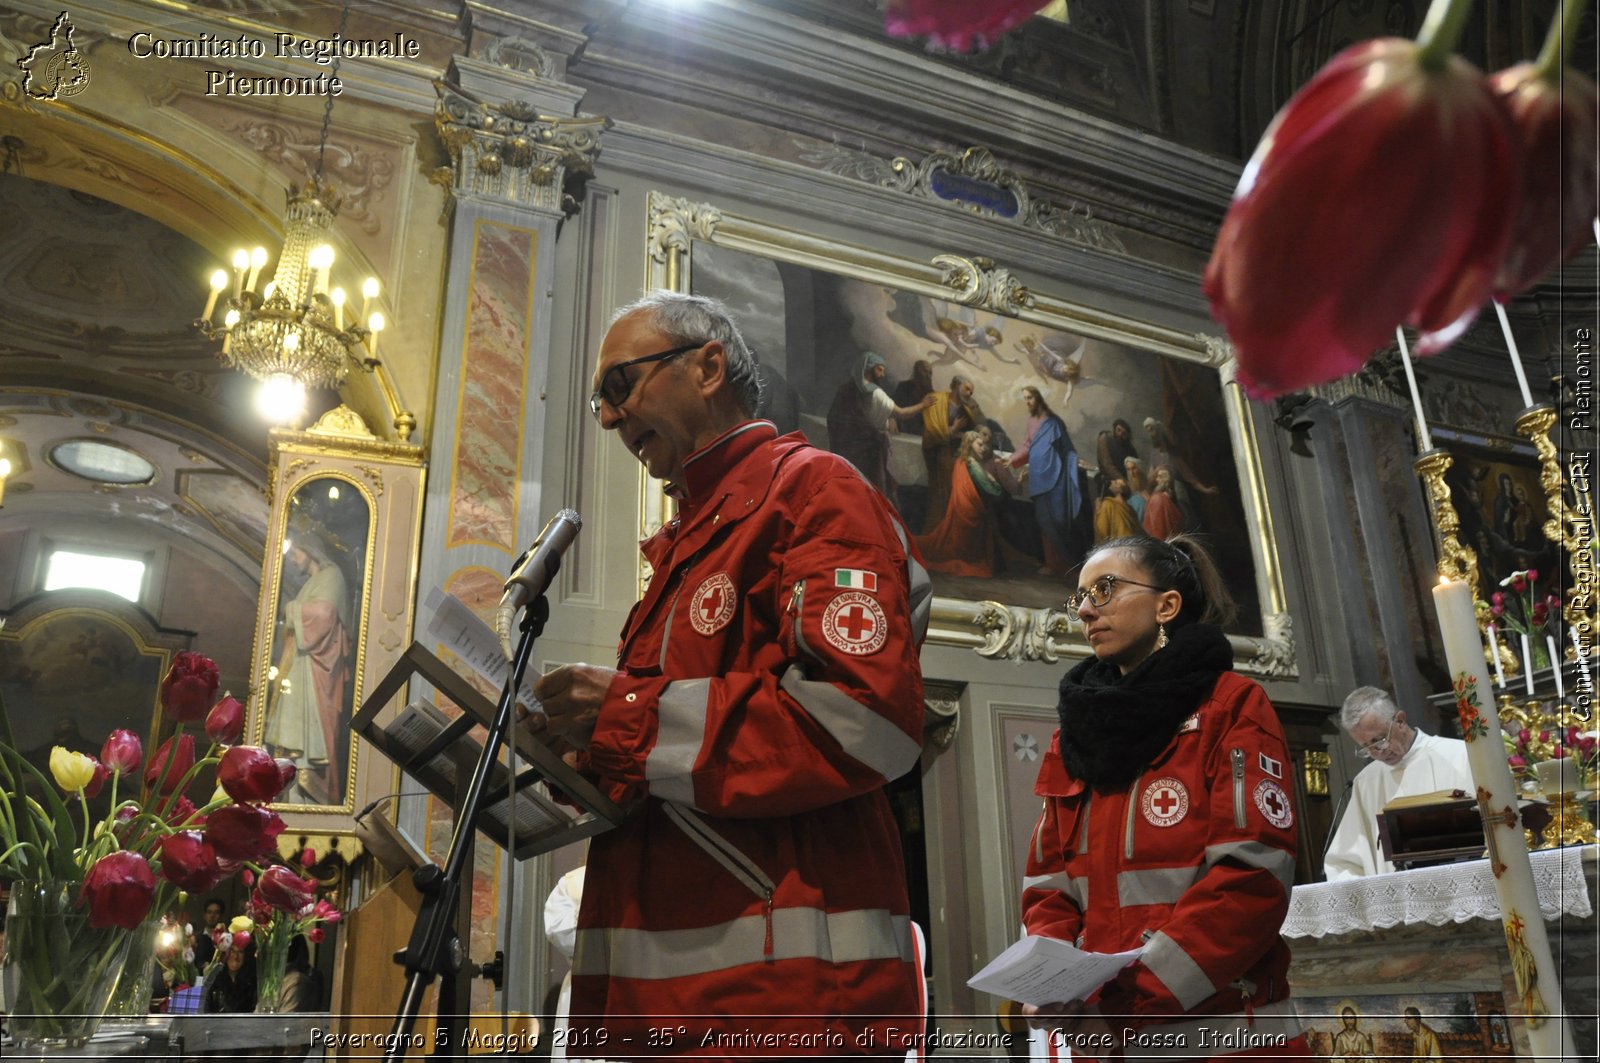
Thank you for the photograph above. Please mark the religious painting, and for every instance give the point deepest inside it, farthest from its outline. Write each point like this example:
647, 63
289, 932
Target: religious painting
338, 594
311, 683
1494, 487
1460, 1025
1009, 433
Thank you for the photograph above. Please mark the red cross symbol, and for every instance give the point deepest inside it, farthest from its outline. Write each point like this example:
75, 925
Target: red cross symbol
1165, 801
1274, 802
711, 604
856, 623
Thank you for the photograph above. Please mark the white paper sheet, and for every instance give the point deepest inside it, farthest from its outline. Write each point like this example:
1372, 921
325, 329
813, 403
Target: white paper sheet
1041, 970
460, 630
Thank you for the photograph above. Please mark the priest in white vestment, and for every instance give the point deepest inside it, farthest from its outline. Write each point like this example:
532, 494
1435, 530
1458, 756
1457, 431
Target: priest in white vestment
1405, 762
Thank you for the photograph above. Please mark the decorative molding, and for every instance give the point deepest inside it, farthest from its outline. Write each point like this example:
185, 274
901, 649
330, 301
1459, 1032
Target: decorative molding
511, 152
522, 55
359, 175
973, 181
977, 282
674, 223
941, 720
343, 422
1273, 653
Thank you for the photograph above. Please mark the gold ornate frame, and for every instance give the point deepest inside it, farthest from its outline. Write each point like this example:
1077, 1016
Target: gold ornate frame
992, 628
388, 476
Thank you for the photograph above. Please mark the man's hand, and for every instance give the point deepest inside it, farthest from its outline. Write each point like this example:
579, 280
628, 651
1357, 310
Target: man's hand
571, 695
1083, 1028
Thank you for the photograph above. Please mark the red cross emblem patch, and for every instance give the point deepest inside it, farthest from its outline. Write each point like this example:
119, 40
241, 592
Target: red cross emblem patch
713, 604
854, 623
1274, 804
1164, 802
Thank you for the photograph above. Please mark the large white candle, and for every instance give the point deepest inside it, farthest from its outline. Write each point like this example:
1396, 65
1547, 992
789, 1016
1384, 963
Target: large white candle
1527, 664
1516, 358
1497, 801
1555, 666
1424, 440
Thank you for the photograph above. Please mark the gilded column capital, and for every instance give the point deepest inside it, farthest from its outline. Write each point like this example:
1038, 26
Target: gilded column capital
514, 153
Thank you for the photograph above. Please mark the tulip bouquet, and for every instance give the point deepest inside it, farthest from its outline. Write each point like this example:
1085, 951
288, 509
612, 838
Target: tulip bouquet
175, 953
282, 907
1528, 746
1523, 611
91, 882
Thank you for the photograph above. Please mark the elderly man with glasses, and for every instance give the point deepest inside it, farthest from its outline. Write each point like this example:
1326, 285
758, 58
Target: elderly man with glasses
767, 689
1405, 762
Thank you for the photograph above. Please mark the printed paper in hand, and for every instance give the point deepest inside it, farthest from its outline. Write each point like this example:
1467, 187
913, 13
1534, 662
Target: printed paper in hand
460, 631
1041, 970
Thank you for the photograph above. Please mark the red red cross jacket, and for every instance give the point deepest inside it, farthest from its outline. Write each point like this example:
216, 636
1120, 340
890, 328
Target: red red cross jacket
1194, 860
755, 901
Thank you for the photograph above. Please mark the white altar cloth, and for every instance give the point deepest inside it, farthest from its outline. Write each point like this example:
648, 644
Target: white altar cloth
1449, 893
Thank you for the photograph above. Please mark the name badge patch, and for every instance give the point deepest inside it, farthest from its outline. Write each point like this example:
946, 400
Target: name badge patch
1164, 802
713, 604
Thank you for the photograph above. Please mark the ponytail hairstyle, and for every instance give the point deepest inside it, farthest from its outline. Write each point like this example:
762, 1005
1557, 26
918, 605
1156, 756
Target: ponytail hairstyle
1183, 564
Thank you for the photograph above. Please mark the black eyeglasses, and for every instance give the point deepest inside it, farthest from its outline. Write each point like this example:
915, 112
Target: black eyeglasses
1100, 592
616, 384
1378, 745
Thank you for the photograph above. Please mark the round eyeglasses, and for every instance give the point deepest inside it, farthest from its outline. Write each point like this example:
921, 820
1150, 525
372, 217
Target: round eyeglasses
1100, 592
1378, 745
616, 383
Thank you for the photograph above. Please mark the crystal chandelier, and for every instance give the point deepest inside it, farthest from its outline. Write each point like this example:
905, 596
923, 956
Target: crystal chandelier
291, 332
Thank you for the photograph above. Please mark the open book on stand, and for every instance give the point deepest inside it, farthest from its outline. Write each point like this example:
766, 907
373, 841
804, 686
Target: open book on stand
518, 812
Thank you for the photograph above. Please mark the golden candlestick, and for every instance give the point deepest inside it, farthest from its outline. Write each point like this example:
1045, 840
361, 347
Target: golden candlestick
1568, 526
1456, 561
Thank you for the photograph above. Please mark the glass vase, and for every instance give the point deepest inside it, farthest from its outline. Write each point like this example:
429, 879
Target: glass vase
134, 988
59, 972
272, 960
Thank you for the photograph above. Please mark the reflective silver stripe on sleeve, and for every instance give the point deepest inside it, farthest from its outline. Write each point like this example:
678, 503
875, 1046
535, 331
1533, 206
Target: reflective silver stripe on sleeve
1256, 854
1178, 972
865, 735
1160, 885
1075, 890
797, 933
920, 595
680, 732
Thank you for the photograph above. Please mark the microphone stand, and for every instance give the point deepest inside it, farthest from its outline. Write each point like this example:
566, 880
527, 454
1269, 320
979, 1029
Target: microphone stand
435, 947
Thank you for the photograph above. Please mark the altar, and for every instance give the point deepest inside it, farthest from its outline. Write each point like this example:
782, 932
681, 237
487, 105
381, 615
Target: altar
1367, 950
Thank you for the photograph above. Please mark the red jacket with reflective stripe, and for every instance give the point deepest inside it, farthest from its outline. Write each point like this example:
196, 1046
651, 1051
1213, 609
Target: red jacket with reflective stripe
1194, 859
762, 709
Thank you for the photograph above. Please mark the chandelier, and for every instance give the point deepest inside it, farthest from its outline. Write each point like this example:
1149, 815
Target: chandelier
291, 333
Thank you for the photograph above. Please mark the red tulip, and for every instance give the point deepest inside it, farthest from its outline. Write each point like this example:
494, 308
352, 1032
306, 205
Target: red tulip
225, 721
326, 912
1381, 195
189, 687
315, 935
1516, 760
243, 832
957, 25
189, 861
182, 761
1532, 575
249, 773
122, 752
97, 781
182, 814
286, 773
240, 940
285, 890
308, 857
119, 889
248, 877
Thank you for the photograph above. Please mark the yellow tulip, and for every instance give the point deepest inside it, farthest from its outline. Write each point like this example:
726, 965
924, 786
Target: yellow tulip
242, 924
73, 771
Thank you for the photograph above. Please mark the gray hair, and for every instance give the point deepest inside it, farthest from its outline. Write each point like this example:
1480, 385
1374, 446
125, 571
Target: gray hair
699, 319
1364, 702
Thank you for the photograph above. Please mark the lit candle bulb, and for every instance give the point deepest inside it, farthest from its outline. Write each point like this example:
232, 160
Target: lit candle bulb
337, 298
219, 281
1555, 666
258, 258
321, 260
229, 320
272, 286
241, 262
369, 292
375, 325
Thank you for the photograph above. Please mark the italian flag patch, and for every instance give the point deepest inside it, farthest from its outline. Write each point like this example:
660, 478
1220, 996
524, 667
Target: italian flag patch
855, 578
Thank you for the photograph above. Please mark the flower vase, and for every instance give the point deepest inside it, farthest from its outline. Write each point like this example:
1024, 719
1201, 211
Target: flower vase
1559, 780
132, 998
59, 972
272, 961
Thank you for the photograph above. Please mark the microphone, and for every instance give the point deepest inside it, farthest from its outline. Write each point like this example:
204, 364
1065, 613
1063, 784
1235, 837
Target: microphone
536, 570
1333, 828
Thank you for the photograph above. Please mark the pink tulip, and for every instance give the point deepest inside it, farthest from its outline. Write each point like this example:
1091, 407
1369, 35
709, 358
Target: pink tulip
1517, 760
225, 721
122, 752
119, 889
189, 687
241, 940
243, 832
308, 857
284, 890
182, 761
315, 935
957, 25
248, 877
249, 773
1382, 194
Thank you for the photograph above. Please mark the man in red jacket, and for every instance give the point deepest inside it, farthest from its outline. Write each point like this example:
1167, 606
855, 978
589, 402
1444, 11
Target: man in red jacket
767, 688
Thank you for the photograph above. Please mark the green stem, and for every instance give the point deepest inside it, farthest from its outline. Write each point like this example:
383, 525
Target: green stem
1441, 32
1559, 40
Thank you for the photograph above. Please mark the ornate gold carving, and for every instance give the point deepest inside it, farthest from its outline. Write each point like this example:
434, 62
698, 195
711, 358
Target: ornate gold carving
375, 475
1314, 768
978, 282
511, 152
1570, 525
1457, 561
341, 421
